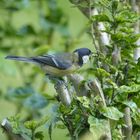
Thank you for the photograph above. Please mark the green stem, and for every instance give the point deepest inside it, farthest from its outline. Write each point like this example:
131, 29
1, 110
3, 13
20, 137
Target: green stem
33, 136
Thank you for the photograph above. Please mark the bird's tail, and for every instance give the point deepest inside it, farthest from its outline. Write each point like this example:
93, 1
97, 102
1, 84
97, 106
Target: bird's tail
20, 58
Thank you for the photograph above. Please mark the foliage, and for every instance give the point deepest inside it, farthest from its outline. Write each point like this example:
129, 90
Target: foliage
117, 73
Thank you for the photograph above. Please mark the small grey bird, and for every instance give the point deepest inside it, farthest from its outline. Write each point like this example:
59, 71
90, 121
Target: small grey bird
58, 64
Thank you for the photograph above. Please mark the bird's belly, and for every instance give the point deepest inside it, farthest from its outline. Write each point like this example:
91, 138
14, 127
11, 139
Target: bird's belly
58, 72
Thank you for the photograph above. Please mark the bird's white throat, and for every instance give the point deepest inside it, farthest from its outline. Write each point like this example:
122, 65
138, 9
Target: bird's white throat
85, 59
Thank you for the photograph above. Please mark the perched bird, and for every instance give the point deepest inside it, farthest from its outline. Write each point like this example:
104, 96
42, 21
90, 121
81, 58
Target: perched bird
58, 65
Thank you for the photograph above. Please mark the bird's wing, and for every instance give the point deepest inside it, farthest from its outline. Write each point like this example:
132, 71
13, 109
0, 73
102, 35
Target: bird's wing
60, 61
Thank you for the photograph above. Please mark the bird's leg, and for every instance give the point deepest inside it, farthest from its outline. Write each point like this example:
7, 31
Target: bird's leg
58, 83
55, 79
66, 82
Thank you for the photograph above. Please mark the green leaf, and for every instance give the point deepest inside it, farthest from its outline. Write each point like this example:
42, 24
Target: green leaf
26, 30
85, 101
31, 124
101, 18
98, 126
39, 135
117, 135
114, 5
53, 116
112, 83
103, 72
131, 104
36, 101
43, 121
61, 126
111, 113
18, 127
21, 92
129, 89
135, 37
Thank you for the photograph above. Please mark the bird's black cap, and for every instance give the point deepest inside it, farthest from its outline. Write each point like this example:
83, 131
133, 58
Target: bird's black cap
82, 52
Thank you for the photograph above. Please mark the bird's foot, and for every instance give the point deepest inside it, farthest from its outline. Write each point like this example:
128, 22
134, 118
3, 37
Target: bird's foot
55, 79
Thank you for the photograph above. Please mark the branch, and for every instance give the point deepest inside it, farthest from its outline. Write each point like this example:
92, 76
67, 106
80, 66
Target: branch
6, 126
81, 89
135, 7
102, 37
127, 130
96, 88
138, 137
84, 10
63, 92
116, 55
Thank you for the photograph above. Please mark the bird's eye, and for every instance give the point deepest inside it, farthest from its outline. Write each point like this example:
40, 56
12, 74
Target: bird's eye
85, 59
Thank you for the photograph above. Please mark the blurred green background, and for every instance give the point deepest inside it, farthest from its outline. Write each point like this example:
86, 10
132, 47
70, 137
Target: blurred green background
28, 28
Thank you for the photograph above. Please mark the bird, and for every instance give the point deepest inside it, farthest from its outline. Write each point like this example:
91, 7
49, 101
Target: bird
59, 64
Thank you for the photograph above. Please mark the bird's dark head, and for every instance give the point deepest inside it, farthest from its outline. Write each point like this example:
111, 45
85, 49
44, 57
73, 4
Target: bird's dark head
83, 55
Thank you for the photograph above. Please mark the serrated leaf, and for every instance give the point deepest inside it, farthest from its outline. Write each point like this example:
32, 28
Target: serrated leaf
111, 113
